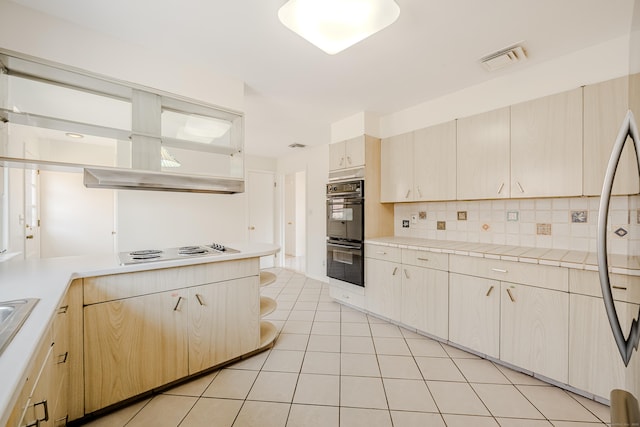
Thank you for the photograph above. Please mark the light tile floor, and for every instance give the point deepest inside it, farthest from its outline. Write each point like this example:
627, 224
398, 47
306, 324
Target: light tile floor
334, 366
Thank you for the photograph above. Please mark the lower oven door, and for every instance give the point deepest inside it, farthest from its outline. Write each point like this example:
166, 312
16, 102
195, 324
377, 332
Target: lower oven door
345, 261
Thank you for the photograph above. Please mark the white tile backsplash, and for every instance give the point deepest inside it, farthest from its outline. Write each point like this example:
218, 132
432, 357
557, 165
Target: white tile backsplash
557, 212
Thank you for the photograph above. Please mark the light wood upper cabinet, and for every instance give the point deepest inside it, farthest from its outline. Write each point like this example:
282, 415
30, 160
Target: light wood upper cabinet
396, 168
605, 105
347, 154
483, 156
546, 146
434, 162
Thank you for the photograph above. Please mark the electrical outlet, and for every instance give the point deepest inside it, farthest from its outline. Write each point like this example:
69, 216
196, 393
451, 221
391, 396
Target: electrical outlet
414, 218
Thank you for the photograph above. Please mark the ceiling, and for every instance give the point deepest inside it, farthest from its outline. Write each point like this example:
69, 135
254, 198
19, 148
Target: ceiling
294, 91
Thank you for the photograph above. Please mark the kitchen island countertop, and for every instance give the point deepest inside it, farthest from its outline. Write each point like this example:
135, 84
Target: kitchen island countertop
48, 280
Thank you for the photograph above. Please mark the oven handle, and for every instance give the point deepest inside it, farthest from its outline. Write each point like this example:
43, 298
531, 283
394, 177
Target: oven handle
346, 246
342, 201
344, 194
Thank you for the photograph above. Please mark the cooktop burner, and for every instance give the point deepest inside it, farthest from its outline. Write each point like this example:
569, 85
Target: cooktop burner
148, 255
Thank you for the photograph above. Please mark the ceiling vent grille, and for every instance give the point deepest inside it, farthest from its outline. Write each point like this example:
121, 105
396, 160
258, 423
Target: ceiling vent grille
504, 57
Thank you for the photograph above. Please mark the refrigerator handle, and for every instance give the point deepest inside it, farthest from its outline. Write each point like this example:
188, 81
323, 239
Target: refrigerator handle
625, 345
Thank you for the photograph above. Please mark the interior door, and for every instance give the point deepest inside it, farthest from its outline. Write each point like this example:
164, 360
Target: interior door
261, 189
32, 213
290, 215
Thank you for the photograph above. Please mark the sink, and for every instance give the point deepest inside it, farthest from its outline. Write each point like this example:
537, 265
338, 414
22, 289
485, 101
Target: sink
12, 315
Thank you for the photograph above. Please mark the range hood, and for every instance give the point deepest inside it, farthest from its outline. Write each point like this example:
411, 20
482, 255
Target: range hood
130, 179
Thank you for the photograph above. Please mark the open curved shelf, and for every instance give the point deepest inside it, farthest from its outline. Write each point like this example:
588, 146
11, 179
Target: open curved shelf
268, 333
267, 278
267, 306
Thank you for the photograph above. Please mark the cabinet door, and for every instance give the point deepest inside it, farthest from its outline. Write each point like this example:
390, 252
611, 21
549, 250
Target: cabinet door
483, 155
133, 345
224, 322
425, 300
546, 146
605, 105
434, 162
595, 365
474, 313
383, 288
535, 330
354, 152
396, 168
337, 158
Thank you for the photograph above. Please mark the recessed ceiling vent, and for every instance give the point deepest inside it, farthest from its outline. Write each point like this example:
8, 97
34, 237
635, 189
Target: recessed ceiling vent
502, 58
296, 145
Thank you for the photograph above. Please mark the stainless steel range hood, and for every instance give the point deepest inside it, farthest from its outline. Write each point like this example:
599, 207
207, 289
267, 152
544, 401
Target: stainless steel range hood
129, 179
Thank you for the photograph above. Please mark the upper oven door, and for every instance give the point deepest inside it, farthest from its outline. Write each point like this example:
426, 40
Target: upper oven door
345, 218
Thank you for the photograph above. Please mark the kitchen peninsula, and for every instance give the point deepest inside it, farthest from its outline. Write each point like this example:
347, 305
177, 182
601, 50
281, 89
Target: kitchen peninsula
135, 327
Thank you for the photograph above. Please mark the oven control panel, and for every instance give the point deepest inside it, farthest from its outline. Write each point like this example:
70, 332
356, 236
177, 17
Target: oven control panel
353, 188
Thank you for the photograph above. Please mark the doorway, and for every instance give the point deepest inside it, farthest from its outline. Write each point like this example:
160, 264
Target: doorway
261, 195
295, 198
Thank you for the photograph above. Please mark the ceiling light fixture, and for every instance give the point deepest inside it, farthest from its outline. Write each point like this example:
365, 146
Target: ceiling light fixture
334, 25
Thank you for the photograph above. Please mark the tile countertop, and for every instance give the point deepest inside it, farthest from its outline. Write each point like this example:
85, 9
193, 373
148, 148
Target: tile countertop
48, 280
621, 264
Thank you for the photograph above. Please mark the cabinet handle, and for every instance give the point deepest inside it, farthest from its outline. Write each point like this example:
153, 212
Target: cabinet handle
419, 192
622, 288
407, 196
177, 307
45, 407
62, 358
345, 296
511, 295
63, 309
381, 253
406, 274
500, 188
395, 270
499, 270
423, 259
200, 300
520, 186
33, 423
349, 159
490, 290
341, 161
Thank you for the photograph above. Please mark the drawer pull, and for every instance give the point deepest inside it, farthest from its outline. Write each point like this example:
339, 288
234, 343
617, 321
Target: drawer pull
500, 188
63, 309
177, 307
349, 160
395, 270
45, 408
200, 300
499, 270
345, 296
381, 253
511, 295
62, 358
490, 290
406, 274
423, 259
622, 288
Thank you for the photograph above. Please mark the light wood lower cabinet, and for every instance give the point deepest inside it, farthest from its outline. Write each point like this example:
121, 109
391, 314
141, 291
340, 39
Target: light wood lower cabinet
424, 302
383, 290
474, 313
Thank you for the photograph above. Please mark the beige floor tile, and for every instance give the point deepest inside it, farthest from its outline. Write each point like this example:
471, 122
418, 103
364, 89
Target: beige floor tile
458, 353
556, 404
603, 412
481, 371
406, 333
325, 328
456, 398
253, 363
291, 342
194, 387
391, 346
385, 330
399, 367
297, 327
330, 343
354, 317
284, 361
439, 369
274, 387
212, 412
362, 392
408, 395
506, 401
576, 424
282, 297
313, 416
311, 296
318, 362
362, 365
305, 305
231, 384
416, 419
163, 411
362, 345
318, 390
521, 422
354, 417
327, 316
281, 314
520, 378
303, 315
426, 347
120, 417
328, 306
262, 414
356, 329
468, 421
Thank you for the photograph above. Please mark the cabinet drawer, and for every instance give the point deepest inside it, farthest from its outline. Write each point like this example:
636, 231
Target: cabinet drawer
433, 260
624, 288
126, 285
347, 294
542, 276
385, 253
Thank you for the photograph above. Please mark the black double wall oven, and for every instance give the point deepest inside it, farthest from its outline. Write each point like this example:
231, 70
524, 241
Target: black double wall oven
345, 231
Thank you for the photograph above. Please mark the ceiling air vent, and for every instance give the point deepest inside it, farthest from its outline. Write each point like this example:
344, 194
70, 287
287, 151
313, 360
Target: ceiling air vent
504, 57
